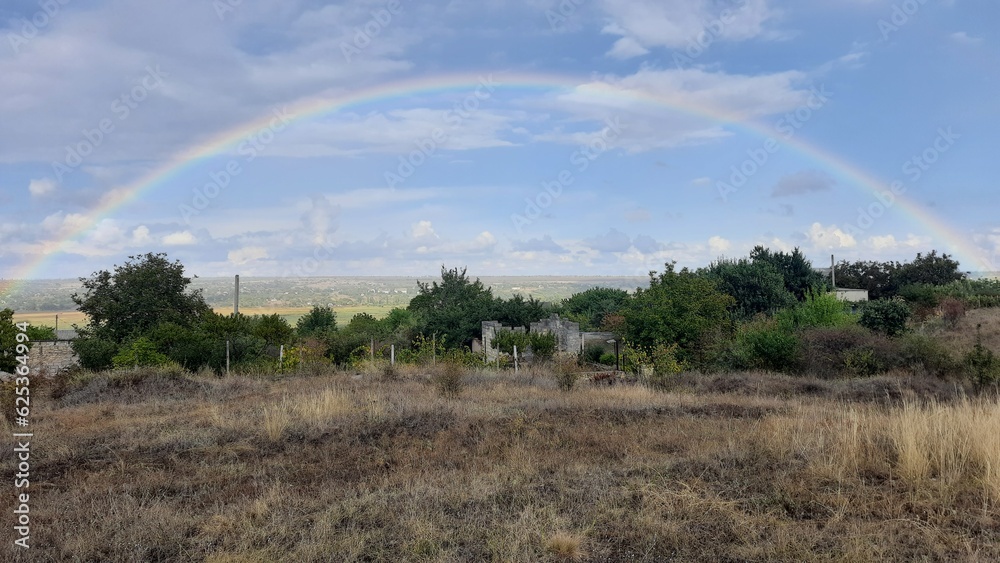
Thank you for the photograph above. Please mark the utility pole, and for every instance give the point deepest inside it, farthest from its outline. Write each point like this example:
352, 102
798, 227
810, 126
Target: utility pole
236, 297
833, 272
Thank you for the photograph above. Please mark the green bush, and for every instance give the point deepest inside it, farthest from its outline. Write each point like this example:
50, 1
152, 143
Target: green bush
921, 295
887, 316
981, 364
607, 359
765, 345
95, 354
831, 352
141, 352
594, 353
543, 345
817, 310
924, 354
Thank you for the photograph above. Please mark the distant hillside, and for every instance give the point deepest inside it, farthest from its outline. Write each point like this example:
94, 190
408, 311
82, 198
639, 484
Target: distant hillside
54, 295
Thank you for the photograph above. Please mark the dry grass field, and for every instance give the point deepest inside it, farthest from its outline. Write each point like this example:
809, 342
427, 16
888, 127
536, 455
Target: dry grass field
337, 466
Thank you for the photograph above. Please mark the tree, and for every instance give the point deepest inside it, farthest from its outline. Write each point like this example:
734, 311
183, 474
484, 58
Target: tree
454, 309
798, 273
143, 293
590, 307
930, 269
319, 320
887, 316
8, 341
518, 311
757, 286
879, 278
273, 329
678, 307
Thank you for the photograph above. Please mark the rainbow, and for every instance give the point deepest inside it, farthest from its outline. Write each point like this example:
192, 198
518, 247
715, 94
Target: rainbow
546, 83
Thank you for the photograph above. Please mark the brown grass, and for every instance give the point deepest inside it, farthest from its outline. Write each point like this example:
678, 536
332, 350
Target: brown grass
341, 467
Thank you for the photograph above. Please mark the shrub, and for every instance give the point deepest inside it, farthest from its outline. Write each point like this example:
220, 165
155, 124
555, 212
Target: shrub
765, 345
566, 374
594, 353
449, 379
920, 295
95, 354
981, 364
829, 352
887, 316
863, 362
543, 345
920, 352
952, 311
818, 310
607, 359
665, 365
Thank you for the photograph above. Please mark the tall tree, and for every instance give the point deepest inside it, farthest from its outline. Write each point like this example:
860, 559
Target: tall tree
757, 286
930, 269
879, 278
590, 307
318, 321
137, 296
800, 277
453, 309
678, 307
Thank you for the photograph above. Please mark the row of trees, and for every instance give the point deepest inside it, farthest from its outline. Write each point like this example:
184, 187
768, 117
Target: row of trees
724, 314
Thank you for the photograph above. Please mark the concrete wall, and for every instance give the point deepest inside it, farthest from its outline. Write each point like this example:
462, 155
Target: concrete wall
48, 358
568, 335
852, 295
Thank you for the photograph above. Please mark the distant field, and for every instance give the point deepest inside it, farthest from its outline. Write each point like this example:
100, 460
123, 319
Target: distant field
291, 314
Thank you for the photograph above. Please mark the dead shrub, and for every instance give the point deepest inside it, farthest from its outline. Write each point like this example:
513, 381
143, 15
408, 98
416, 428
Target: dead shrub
952, 311
449, 379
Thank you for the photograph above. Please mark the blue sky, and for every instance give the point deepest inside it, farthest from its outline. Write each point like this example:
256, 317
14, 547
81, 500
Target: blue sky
645, 182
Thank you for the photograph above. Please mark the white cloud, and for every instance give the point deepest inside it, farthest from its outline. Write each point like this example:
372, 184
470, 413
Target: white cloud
718, 245
181, 238
965, 39
41, 187
679, 24
423, 230
140, 236
247, 254
831, 237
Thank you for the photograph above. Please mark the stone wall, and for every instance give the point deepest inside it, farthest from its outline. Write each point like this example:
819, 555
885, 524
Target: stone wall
48, 358
568, 335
